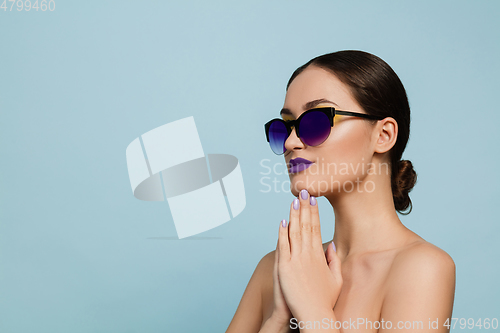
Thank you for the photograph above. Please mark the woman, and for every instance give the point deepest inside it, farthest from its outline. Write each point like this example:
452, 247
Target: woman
346, 122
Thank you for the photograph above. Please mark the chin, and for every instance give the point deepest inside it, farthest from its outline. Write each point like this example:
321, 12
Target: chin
300, 181
293, 187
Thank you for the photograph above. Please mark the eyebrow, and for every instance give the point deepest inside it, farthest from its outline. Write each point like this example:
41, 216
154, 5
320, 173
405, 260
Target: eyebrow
308, 105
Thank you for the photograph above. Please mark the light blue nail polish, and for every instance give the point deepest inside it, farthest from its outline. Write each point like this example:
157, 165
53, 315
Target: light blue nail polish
283, 223
296, 203
312, 201
304, 194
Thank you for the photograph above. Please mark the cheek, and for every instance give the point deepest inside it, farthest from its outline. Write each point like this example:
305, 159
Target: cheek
346, 149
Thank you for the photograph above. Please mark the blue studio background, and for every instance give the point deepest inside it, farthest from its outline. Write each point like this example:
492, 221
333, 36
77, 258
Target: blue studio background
78, 253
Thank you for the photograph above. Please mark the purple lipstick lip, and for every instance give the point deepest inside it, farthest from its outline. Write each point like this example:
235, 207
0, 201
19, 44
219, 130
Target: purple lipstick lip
299, 164
299, 160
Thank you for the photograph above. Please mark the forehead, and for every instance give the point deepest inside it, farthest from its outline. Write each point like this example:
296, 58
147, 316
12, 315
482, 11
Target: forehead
313, 84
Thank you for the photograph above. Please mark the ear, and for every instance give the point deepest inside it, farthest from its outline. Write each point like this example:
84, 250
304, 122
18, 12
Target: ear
386, 134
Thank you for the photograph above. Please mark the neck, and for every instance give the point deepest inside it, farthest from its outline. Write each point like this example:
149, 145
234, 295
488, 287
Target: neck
366, 221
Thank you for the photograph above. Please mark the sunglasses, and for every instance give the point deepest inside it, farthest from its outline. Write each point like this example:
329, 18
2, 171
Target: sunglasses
313, 127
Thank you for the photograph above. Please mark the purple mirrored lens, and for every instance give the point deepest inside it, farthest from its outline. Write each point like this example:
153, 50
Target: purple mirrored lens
277, 137
314, 128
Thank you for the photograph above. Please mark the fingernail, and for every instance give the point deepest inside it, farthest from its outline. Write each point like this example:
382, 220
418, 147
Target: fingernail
312, 201
334, 248
296, 203
283, 223
304, 194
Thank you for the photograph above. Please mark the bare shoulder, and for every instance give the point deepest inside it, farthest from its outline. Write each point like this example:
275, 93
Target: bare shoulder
423, 254
268, 260
263, 274
420, 284
422, 261
265, 271
249, 314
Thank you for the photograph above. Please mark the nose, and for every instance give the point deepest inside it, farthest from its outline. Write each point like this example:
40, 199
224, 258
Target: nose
293, 142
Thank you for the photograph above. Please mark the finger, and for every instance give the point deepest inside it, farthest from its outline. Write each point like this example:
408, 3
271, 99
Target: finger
315, 224
294, 228
305, 220
284, 245
332, 258
276, 258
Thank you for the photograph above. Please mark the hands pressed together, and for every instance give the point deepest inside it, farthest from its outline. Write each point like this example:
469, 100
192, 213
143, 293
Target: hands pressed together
306, 286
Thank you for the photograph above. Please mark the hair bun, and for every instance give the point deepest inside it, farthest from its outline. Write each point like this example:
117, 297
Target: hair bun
403, 183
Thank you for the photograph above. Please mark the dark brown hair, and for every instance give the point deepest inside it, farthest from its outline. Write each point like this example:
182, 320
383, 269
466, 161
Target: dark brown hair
379, 91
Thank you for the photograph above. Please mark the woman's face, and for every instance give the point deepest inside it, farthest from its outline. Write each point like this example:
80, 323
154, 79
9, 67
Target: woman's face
341, 163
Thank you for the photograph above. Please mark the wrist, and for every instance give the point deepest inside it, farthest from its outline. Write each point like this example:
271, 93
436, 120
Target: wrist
275, 324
